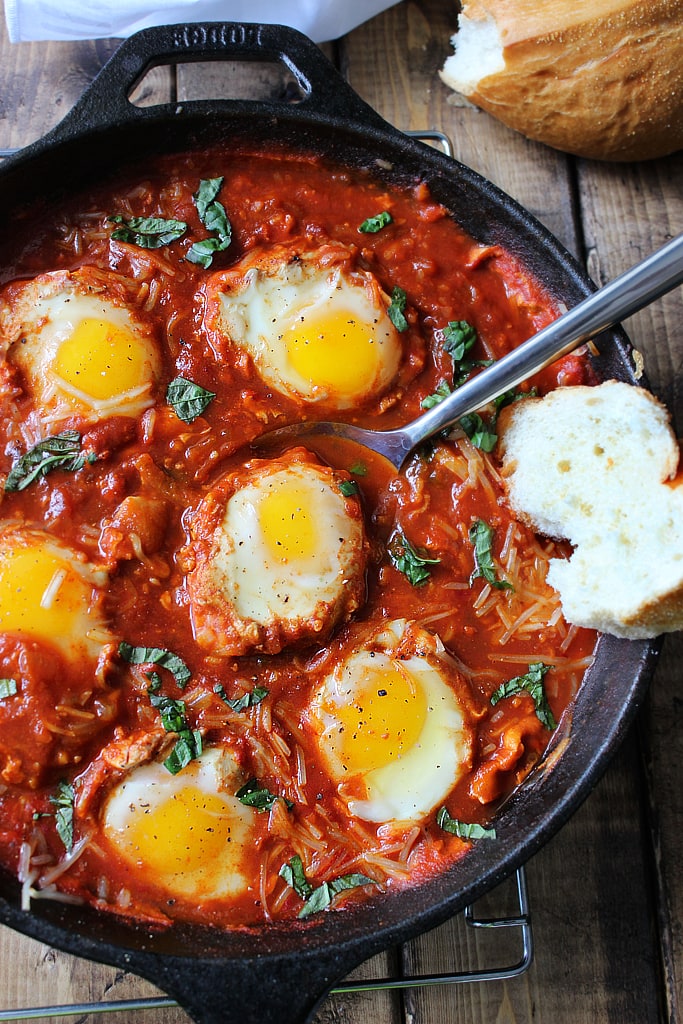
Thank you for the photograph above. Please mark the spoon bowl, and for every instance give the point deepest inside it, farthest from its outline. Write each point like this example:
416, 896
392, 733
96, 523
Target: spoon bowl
642, 284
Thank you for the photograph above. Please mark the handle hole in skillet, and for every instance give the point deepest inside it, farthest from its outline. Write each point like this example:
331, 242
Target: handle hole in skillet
218, 80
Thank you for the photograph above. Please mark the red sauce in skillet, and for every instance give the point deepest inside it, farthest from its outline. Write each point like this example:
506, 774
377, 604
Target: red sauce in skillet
86, 724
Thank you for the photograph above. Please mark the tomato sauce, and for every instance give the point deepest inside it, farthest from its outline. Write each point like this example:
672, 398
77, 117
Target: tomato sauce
88, 723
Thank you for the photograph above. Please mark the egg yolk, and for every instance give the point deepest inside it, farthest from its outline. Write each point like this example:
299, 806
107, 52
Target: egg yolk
102, 359
186, 832
287, 525
384, 720
335, 351
40, 593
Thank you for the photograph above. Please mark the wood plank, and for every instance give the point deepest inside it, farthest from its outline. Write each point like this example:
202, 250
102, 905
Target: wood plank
629, 211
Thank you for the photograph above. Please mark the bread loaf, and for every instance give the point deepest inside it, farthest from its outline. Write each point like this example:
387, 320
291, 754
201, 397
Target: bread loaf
601, 80
599, 467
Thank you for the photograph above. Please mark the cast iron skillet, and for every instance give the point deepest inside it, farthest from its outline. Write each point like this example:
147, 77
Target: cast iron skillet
280, 973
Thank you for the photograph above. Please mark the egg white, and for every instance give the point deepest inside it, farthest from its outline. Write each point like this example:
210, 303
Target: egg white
187, 833
391, 728
49, 592
316, 329
81, 351
286, 560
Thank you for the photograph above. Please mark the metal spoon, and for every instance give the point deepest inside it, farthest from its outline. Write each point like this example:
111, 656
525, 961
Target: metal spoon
625, 295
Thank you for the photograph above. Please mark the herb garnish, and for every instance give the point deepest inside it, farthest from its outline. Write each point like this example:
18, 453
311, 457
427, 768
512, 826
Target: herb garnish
148, 232
531, 683
214, 218
348, 488
458, 338
253, 794
358, 469
374, 224
157, 656
64, 814
481, 535
8, 687
247, 700
187, 399
317, 899
61, 451
395, 310
443, 390
461, 829
188, 746
479, 432
408, 560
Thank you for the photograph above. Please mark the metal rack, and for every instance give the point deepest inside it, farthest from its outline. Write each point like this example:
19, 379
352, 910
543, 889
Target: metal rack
519, 920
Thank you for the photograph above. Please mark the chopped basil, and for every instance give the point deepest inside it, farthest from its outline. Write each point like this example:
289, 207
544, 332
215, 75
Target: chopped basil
157, 656
374, 224
458, 338
317, 899
148, 232
531, 683
61, 451
395, 310
253, 794
410, 561
443, 390
481, 535
294, 875
511, 396
462, 829
479, 433
358, 469
8, 687
214, 218
64, 814
187, 399
247, 700
188, 745
348, 488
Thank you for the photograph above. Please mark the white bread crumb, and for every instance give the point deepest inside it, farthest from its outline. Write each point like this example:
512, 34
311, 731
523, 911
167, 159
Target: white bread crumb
597, 466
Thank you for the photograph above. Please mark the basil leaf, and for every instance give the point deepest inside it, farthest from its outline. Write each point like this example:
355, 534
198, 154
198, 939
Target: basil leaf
348, 488
253, 794
396, 308
358, 469
157, 656
410, 561
481, 536
478, 432
247, 700
214, 218
8, 687
64, 815
463, 370
443, 390
294, 875
148, 232
512, 396
531, 683
172, 712
319, 898
458, 338
61, 451
462, 829
374, 224
188, 746
187, 399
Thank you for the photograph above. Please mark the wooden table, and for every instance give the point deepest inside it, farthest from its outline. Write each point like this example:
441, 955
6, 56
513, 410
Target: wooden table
607, 892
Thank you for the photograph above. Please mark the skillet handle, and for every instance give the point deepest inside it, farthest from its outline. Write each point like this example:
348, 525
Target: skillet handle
105, 102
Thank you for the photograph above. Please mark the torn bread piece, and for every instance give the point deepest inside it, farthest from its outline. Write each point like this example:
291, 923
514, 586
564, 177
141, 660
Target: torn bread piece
598, 466
601, 80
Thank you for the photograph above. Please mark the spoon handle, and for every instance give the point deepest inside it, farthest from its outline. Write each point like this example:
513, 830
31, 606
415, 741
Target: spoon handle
623, 296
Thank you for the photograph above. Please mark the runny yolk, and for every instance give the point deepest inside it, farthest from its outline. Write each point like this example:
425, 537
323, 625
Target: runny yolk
102, 360
383, 720
335, 351
41, 594
287, 523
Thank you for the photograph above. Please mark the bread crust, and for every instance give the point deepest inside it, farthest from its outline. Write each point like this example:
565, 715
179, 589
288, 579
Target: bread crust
603, 81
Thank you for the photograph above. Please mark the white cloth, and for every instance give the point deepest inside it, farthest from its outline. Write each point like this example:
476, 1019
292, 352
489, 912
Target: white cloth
71, 19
